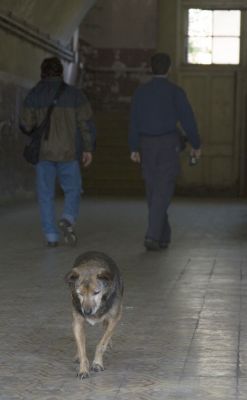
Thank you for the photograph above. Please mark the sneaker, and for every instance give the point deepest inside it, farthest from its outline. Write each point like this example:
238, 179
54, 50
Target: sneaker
69, 235
52, 244
152, 245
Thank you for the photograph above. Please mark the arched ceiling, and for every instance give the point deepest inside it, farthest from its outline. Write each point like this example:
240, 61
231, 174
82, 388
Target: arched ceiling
31, 30
58, 18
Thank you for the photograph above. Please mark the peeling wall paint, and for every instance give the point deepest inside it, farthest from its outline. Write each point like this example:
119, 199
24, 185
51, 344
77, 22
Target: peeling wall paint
110, 76
117, 39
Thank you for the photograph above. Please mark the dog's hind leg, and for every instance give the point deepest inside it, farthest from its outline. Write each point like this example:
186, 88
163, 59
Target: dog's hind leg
78, 329
102, 345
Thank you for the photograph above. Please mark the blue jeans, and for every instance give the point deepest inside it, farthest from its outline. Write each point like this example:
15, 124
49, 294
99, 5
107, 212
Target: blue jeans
69, 177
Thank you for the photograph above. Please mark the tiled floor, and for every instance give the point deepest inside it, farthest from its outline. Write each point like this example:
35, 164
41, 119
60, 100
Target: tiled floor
184, 329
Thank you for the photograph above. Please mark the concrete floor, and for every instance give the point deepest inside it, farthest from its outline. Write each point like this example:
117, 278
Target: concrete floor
184, 329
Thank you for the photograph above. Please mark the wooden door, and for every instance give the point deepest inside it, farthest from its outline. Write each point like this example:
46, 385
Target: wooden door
217, 95
214, 96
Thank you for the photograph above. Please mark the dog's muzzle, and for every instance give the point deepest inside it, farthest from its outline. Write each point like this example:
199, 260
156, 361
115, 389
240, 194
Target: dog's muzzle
87, 312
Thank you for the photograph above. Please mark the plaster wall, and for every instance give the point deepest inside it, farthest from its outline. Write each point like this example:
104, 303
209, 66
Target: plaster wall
168, 28
19, 70
121, 24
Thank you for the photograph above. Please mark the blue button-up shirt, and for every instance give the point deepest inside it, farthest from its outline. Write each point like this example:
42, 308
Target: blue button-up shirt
157, 107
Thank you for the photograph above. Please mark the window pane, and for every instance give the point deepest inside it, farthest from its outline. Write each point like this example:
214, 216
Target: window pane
226, 23
199, 51
226, 50
200, 22
213, 36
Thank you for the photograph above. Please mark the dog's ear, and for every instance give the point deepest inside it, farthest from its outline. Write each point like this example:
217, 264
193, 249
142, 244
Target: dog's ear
105, 277
71, 277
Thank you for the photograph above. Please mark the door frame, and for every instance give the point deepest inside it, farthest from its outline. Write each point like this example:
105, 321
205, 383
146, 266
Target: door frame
240, 130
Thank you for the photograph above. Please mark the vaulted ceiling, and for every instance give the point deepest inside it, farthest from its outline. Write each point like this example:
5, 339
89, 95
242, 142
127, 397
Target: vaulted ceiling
33, 29
58, 18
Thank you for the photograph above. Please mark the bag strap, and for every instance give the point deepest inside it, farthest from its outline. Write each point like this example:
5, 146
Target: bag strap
45, 121
60, 90
55, 99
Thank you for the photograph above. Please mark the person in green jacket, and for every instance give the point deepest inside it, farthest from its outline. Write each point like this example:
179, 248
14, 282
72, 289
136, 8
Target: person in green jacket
58, 152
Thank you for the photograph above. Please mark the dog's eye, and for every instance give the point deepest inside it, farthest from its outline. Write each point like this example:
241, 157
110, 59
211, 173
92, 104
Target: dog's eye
96, 292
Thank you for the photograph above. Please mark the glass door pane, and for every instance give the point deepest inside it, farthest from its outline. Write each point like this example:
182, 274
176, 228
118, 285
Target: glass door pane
226, 23
226, 50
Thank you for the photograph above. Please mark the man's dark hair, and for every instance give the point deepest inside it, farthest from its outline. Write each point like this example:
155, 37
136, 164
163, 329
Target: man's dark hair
160, 63
51, 67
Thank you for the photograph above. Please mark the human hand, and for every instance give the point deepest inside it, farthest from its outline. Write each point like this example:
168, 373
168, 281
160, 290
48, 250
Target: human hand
135, 157
196, 153
87, 158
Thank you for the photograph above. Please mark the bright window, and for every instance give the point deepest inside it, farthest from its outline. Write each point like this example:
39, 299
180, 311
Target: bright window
213, 36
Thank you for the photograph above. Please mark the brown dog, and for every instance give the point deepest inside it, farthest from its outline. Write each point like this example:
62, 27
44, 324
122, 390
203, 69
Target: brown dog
97, 291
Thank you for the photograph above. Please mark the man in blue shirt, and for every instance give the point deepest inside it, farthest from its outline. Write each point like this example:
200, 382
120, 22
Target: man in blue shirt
157, 107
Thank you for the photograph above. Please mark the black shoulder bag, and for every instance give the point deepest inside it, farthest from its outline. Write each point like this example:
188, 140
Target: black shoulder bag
32, 149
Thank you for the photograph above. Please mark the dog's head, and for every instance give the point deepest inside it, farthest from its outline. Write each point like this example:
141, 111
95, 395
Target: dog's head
90, 286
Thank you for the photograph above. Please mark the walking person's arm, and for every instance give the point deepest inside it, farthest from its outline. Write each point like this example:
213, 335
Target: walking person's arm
84, 114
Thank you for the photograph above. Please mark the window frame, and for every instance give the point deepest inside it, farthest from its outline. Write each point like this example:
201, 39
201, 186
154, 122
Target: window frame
184, 19
212, 37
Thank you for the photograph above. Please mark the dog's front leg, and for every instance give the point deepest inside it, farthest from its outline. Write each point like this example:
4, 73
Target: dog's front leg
102, 345
78, 329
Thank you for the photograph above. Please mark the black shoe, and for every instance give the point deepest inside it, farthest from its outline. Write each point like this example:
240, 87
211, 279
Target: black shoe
52, 244
69, 235
164, 245
152, 245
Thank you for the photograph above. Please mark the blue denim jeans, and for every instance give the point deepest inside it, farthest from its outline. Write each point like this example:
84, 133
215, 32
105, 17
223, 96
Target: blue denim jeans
69, 178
